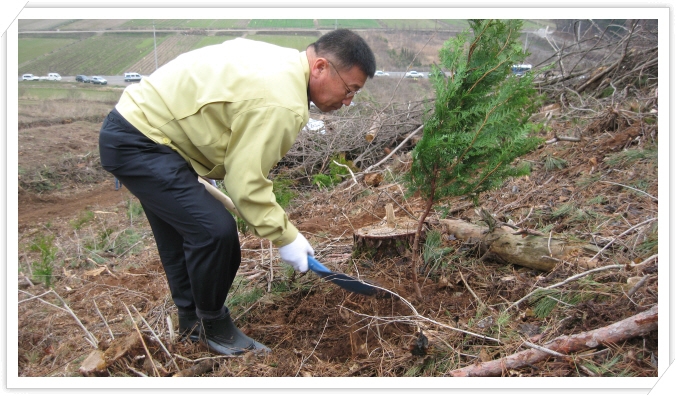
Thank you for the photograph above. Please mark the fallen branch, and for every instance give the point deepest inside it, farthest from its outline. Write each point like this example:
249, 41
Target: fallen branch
524, 196
130, 247
112, 337
354, 180
563, 139
403, 142
625, 232
416, 318
631, 188
170, 327
625, 329
525, 248
145, 347
272, 275
638, 285
481, 304
644, 262
133, 370
542, 349
313, 349
156, 337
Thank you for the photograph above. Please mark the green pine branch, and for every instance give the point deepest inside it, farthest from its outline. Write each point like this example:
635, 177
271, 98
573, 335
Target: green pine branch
480, 121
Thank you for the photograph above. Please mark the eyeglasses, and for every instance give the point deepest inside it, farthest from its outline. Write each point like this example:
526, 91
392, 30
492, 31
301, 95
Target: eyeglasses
350, 93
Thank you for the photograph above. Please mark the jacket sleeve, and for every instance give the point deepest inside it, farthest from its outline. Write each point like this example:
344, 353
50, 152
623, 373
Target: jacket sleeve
260, 138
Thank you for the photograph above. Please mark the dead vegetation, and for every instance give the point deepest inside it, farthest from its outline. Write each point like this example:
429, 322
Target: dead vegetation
91, 287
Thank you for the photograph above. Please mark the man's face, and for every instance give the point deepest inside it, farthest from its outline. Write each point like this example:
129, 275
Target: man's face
330, 88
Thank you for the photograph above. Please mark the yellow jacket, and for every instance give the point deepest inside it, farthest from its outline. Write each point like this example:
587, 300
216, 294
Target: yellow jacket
232, 110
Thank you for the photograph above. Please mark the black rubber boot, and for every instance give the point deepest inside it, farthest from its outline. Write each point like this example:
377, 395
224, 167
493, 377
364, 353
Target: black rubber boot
221, 336
189, 326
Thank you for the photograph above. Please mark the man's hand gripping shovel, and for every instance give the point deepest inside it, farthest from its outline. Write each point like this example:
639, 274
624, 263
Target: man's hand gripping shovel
345, 281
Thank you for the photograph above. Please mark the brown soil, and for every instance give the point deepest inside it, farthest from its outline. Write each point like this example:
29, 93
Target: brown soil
105, 267
43, 208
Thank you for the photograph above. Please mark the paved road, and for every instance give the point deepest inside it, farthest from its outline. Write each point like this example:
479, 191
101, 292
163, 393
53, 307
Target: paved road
112, 80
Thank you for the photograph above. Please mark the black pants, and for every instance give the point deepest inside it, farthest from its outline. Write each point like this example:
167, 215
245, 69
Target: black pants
196, 236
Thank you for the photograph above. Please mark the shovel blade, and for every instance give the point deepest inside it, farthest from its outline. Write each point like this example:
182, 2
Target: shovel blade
344, 281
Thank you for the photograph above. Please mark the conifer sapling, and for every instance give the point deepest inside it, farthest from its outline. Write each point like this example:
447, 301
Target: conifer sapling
479, 125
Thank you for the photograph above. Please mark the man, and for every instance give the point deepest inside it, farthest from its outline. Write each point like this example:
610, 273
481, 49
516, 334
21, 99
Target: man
230, 112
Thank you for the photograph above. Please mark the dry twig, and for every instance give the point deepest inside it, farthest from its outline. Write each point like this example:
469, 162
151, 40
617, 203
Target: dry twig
570, 279
624, 233
112, 337
145, 347
156, 337
313, 349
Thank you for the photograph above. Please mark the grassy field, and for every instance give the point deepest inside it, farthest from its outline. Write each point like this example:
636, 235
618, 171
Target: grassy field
297, 42
101, 54
159, 23
111, 53
32, 48
229, 24
42, 24
198, 23
281, 23
456, 23
538, 24
409, 23
92, 24
349, 23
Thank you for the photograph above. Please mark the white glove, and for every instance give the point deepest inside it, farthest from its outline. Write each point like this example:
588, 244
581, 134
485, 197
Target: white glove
295, 254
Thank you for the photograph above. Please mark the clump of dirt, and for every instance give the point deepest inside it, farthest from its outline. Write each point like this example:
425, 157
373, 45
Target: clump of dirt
90, 273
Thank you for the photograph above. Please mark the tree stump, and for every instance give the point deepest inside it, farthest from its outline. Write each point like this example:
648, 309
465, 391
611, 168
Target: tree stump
389, 238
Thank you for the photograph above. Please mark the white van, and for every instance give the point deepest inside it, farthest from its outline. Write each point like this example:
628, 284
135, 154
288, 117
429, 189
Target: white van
132, 77
54, 77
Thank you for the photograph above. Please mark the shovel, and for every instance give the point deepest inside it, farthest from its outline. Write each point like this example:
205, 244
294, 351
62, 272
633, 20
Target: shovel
346, 282
224, 199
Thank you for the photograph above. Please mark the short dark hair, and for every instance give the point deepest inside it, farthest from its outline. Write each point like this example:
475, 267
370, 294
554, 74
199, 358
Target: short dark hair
348, 48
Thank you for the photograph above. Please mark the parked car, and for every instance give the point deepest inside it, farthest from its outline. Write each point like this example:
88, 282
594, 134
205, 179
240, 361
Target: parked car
132, 77
28, 77
414, 74
82, 78
54, 77
98, 80
381, 73
520, 70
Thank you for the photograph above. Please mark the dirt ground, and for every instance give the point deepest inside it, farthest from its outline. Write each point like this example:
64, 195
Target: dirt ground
105, 270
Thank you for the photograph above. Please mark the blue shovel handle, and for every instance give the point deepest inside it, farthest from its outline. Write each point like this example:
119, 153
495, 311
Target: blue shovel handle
316, 266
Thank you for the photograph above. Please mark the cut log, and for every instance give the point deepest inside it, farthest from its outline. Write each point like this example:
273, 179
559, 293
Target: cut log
376, 124
120, 347
615, 333
94, 365
532, 251
391, 237
373, 179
